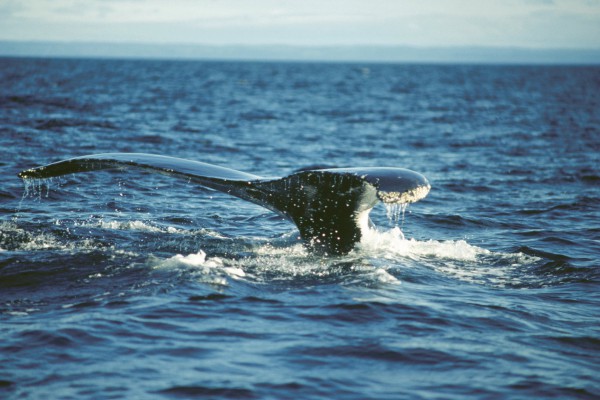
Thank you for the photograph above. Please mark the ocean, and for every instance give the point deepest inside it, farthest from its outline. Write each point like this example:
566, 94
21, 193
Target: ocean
126, 284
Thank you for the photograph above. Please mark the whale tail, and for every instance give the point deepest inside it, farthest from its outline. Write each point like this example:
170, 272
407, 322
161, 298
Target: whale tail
330, 207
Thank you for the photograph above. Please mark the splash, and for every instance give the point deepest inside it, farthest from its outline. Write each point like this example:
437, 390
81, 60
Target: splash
381, 258
455, 259
270, 264
392, 244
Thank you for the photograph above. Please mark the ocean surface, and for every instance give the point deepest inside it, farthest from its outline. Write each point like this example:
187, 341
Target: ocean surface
126, 284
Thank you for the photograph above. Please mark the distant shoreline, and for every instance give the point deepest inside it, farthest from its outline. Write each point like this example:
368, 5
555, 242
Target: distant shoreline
359, 53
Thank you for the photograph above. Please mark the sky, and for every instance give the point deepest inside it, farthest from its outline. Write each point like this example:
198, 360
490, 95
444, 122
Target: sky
567, 24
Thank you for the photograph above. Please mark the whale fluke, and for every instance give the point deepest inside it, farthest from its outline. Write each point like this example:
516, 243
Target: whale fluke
330, 207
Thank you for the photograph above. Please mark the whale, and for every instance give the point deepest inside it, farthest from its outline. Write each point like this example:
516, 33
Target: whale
329, 206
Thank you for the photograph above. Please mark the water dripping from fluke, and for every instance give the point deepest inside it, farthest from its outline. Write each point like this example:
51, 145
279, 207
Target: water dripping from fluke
37, 188
395, 213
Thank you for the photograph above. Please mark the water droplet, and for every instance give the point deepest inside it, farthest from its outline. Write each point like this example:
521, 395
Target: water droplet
395, 211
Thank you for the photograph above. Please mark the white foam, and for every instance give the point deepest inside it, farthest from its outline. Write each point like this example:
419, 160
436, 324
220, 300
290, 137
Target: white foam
212, 270
134, 225
16, 313
192, 260
383, 276
142, 226
379, 258
455, 258
30, 241
373, 261
392, 244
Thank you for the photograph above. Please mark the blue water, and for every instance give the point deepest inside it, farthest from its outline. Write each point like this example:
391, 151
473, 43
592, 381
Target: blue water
132, 285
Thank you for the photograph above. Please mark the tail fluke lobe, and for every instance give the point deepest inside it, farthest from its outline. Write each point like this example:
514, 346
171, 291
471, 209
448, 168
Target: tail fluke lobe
162, 164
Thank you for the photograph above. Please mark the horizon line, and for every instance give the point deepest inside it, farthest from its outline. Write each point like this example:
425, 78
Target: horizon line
294, 52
